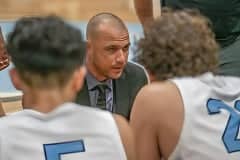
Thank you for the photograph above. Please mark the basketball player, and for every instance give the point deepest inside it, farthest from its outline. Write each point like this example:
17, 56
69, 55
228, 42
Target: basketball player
194, 116
48, 57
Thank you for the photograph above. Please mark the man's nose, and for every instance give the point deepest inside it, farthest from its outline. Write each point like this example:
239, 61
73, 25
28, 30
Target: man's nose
121, 56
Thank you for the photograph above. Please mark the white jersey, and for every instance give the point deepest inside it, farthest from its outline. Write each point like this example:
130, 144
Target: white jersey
71, 132
211, 118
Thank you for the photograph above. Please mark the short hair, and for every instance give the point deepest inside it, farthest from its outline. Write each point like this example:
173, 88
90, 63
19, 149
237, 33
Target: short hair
179, 43
45, 50
95, 21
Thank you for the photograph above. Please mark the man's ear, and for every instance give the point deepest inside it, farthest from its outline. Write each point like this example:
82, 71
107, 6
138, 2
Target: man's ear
15, 78
79, 78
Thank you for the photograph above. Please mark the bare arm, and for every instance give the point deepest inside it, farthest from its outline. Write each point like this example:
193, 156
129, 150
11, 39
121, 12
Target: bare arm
144, 9
126, 136
144, 131
152, 121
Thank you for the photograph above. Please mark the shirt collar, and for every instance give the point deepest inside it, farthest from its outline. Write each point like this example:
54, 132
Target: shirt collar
92, 82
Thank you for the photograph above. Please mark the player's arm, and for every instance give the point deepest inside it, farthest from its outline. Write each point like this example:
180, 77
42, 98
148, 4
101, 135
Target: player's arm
126, 136
144, 127
156, 120
144, 9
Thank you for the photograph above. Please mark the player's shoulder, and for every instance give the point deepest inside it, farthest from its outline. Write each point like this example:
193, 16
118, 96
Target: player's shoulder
157, 90
11, 119
155, 99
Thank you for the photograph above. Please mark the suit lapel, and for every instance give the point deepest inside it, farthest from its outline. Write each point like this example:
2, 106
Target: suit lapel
121, 102
121, 96
83, 96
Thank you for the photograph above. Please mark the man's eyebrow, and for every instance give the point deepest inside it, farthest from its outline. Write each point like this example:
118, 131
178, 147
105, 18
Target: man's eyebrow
112, 45
117, 46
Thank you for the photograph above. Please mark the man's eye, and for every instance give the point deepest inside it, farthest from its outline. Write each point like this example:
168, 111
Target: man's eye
111, 49
125, 49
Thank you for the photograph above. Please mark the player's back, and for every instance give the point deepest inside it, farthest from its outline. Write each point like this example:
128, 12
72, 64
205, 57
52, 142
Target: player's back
211, 118
69, 132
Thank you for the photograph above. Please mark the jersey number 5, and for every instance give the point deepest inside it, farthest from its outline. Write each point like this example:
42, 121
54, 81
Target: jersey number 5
230, 135
53, 151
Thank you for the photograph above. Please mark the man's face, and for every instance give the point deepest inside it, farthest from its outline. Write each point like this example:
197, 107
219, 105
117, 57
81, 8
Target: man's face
108, 53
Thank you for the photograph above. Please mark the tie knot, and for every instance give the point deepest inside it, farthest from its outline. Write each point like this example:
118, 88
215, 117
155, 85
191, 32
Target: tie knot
101, 99
101, 87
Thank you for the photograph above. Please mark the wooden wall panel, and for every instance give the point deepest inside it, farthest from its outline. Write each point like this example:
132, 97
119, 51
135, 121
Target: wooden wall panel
71, 9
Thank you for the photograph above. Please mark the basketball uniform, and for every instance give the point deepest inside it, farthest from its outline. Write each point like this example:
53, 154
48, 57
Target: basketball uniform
211, 118
70, 132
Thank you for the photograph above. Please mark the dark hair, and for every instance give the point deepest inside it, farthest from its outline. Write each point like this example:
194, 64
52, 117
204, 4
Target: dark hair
45, 47
179, 43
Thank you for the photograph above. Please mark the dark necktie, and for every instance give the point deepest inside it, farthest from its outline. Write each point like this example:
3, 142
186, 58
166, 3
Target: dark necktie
101, 99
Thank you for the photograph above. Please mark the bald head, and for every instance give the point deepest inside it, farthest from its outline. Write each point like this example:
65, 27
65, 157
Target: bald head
93, 26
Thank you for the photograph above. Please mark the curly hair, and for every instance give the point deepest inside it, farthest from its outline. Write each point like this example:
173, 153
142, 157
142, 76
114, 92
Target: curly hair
179, 43
45, 50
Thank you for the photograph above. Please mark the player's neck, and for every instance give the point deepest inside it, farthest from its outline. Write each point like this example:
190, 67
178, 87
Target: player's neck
45, 100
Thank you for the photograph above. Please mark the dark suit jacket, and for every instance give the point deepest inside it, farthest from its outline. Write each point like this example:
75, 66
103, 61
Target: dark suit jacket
230, 59
125, 89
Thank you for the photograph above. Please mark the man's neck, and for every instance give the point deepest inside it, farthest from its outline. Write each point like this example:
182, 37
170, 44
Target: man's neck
44, 100
93, 71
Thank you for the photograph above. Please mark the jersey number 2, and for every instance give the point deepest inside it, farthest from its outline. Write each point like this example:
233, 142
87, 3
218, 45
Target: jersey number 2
230, 135
53, 151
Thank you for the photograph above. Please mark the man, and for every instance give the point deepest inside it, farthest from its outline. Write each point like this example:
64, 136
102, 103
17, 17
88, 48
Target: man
225, 18
195, 115
48, 56
107, 66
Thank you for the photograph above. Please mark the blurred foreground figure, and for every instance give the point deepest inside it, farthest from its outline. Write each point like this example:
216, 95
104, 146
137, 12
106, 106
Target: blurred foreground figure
48, 56
195, 114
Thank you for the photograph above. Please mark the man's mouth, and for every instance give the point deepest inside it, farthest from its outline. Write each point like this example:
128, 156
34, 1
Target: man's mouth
117, 68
